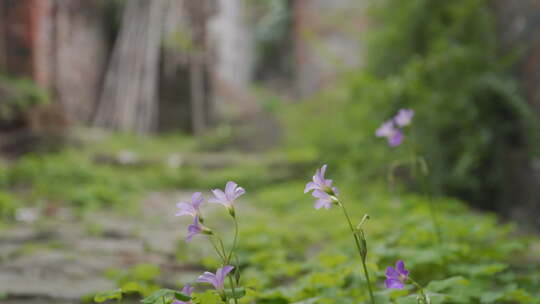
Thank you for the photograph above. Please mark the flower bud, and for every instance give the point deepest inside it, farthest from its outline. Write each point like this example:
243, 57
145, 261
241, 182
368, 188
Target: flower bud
231, 211
206, 230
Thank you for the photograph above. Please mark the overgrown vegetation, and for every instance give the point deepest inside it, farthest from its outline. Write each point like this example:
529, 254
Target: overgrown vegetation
436, 59
17, 96
115, 172
289, 251
441, 59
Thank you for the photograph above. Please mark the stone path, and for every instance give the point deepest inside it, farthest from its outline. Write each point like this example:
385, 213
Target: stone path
62, 258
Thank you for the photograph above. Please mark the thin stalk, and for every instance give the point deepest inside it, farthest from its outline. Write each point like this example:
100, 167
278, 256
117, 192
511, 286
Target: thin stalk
432, 210
233, 247
226, 262
233, 289
359, 248
420, 289
237, 274
234, 240
425, 188
216, 249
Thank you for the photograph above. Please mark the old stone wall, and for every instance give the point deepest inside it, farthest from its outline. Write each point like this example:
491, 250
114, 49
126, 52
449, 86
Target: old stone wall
61, 45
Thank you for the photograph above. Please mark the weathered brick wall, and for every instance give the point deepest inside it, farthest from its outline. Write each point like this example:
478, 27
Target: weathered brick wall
17, 37
61, 45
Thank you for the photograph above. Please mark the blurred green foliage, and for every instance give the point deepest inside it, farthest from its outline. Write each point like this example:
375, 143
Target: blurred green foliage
115, 172
309, 254
289, 252
441, 59
17, 95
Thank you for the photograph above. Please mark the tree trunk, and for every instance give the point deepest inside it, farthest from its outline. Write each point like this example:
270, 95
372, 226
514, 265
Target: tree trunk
129, 97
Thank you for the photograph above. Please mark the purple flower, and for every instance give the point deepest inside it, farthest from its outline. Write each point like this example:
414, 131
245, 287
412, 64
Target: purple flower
404, 117
391, 129
391, 133
396, 277
323, 199
187, 290
387, 129
190, 208
196, 228
396, 139
227, 197
216, 279
320, 183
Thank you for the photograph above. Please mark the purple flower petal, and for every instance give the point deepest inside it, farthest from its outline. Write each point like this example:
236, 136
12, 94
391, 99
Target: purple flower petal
400, 267
222, 272
391, 272
322, 189
320, 194
197, 199
239, 191
193, 229
310, 186
322, 203
319, 182
394, 283
319, 179
208, 277
217, 280
227, 197
396, 139
185, 209
404, 117
219, 196
188, 290
386, 129
190, 208
396, 277
229, 190
324, 199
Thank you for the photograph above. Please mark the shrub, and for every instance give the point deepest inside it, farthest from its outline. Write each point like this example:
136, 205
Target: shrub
441, 59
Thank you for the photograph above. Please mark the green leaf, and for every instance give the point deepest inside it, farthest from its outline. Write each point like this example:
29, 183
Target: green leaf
108, 295
132, 287
167, 294
239, 292
182, 297
442, 285
410, 299
491, 296
208, 297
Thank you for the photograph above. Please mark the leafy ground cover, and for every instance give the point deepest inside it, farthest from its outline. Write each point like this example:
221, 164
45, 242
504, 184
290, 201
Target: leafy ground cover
288, 251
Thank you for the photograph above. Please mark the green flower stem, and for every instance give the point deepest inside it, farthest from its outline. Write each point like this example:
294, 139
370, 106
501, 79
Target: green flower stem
233, 287
417, 163
359, 248
216, 249
234, 239
233, 248
432, 208
226, 262
420, 289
